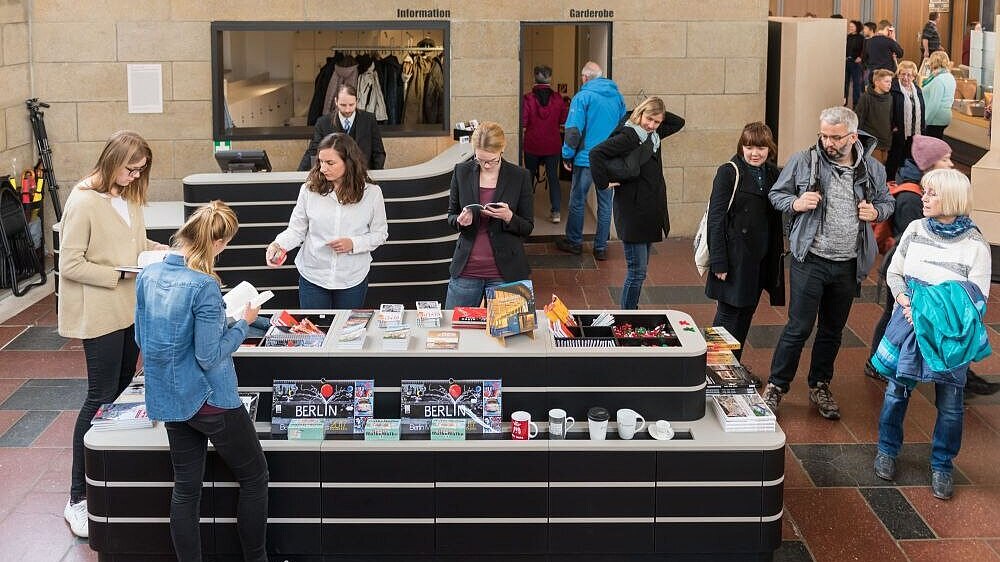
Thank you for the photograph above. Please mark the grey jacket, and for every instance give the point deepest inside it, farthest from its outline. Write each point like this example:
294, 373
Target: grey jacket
869, 184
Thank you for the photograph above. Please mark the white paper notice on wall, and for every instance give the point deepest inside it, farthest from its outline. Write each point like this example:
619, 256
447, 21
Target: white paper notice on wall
145, 88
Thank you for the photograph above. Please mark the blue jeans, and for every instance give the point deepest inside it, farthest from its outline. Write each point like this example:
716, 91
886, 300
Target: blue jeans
468, 291
637, 260
582, 180
235, 440
531, 162
947, 439
818, 289
314, 297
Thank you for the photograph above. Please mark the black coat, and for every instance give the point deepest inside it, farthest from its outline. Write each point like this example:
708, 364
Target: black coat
390, 77
898, 102
364, 130
746, 242
640, 204
507, 239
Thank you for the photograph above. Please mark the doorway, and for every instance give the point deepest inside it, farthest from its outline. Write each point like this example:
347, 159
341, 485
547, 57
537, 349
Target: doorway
564, 47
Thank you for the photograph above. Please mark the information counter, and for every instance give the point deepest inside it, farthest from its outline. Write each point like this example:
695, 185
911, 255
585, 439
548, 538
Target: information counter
704, 495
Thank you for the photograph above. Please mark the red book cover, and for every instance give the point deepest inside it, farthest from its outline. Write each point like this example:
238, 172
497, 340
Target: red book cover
468, 317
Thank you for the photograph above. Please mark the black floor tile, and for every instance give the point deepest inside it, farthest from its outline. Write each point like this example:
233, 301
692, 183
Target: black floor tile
27, 429
851, 465
792, 551
38, 338
765, 336
48, 394
667, 295
899, 517
562, 261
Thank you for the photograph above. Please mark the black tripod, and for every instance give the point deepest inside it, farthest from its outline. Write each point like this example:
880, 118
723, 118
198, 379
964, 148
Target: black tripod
44, 151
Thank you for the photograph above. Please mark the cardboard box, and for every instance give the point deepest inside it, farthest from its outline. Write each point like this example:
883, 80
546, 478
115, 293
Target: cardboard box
966, 89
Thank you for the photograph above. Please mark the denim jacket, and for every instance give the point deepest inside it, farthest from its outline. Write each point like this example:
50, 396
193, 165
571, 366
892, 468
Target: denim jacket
180, 325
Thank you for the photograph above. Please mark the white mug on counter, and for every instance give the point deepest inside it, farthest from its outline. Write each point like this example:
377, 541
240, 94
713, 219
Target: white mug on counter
629, 423
559, 423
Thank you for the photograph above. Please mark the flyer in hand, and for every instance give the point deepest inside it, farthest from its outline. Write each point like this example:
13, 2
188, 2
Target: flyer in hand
343, 405
478, 402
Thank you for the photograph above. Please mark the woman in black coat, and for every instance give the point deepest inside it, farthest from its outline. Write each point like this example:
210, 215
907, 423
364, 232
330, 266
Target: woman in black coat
745, 242
908, 112
631, 162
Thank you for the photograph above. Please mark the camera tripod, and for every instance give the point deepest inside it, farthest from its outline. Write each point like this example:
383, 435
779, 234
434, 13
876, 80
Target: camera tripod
44, 151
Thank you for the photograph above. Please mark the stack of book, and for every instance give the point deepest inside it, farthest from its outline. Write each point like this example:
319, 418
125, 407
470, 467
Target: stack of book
442, 339
396, 338
723, 372
128, 415
428, 314
743, 412
389, 315
468, 317
352, 336
718, 338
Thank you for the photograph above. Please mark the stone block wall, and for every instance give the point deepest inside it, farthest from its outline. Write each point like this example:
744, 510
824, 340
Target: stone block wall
706, 58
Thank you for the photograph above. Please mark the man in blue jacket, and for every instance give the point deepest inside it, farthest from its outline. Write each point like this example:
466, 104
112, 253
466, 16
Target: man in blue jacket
593, 114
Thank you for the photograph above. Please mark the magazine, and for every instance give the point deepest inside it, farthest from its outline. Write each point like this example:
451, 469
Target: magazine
242, 295
442, 339
718, 338
128, 415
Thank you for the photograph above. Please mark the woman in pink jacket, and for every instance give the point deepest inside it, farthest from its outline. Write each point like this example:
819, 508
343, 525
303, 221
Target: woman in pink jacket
543, 111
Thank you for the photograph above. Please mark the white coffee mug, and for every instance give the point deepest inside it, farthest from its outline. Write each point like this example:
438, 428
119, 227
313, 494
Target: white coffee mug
629, 423
521, 426
559, 423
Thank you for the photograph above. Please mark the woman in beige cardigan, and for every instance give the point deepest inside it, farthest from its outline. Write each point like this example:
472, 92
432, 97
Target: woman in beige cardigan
102, 228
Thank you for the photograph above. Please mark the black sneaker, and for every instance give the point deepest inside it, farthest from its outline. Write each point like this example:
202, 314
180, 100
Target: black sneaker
885, 466
942, 486
567, 246
823, 398
772, 397
600, 255
976, 384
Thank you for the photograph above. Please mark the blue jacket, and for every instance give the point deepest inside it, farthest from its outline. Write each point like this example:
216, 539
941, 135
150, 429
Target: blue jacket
594, 113
180, 325
946, 335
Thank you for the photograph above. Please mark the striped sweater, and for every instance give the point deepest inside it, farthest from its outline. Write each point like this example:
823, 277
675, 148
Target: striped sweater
923, 255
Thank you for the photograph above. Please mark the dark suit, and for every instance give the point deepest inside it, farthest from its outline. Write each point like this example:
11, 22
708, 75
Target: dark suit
364, 130
513, 188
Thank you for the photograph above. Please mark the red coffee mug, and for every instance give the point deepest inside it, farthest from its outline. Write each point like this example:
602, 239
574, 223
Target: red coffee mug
521, 426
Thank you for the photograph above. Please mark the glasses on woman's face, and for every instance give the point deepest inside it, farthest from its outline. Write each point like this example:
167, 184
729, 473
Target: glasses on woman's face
490, 162
136, 171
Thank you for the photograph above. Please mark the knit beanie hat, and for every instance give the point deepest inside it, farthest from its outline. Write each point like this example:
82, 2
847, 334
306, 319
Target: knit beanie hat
928, 150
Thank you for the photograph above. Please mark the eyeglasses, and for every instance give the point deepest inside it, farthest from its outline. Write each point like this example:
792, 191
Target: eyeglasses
832, 138
488, 163
135, 171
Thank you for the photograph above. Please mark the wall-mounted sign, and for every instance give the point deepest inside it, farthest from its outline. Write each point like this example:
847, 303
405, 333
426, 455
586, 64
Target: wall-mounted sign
344, 406
478, 402
591, 14
423, 14
145, 88
939, 5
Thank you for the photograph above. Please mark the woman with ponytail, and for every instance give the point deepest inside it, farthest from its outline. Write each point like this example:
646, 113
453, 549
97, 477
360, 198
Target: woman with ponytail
180, 325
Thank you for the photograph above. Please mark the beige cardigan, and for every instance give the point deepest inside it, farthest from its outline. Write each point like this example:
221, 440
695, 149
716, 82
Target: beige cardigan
93, 240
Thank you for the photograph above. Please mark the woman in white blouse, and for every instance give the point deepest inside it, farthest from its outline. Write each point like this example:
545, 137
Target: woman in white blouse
338, 219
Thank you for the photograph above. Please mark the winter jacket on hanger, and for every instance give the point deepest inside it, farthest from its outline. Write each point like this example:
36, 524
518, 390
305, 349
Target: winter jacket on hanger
370, 94
434, 93
341, 75
414, 104
390, 76
319, 92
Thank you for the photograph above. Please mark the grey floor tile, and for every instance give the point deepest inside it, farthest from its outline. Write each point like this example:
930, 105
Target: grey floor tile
562, 261
896, 513
48, 394
851, 465
765, 336
792, 551
38, 338
24, 432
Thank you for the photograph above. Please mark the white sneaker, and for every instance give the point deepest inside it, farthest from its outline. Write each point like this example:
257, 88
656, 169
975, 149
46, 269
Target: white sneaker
76, 516
555, 218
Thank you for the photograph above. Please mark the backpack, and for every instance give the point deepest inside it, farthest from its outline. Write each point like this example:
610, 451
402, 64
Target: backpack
701, 255
883, 230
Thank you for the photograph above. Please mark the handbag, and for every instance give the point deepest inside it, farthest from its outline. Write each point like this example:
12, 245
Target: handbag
624, 168
701, 255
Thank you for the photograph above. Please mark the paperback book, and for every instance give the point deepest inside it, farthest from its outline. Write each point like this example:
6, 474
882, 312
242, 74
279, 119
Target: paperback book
127, 415
743, 412
428, 314
359, 317
718, 338
396, 337
477, 402
510, 308
728, 379
468, 317
442, 339
389, 315
343, 405
352, 337
723, 357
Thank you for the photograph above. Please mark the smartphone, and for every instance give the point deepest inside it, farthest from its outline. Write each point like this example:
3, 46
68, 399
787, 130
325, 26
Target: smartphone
494, 205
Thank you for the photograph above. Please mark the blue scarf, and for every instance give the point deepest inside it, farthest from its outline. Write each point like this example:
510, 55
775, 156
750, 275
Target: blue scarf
644, 134
960, 225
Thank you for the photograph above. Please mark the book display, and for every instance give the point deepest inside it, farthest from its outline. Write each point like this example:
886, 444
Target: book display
510, 309
723, 372
411, 454
468, 317
128, 415
743, 412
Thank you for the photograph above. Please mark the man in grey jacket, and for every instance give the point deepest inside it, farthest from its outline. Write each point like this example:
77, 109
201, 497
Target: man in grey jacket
833, 193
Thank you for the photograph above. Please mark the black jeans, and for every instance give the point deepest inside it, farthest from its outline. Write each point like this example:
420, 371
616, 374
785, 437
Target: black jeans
735, 319
818, 288
235, 439
936, 131
111, 360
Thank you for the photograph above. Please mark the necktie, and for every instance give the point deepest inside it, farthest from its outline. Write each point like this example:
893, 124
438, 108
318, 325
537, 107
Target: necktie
347, 126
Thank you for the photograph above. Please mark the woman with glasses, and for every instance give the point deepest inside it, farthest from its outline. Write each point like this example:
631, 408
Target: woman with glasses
338, 220
939, 91
102, 228
907, 116
491, 207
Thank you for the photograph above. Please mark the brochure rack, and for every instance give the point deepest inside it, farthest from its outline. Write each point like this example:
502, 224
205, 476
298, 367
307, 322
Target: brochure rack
704, 495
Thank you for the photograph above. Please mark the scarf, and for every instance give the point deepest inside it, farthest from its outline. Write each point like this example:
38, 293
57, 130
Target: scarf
643, 135
956, 228
911, 111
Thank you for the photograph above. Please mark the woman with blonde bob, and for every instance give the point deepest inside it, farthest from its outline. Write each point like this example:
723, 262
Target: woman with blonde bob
908, 116
631, 162
939, 93
940, 278
191, 381
102, 229
491, 205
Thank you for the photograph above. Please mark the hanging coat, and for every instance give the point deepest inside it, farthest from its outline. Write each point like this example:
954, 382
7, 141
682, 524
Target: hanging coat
370, 94
390, 76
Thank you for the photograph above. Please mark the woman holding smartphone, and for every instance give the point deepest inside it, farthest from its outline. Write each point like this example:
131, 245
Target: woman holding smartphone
191, 380
491, 206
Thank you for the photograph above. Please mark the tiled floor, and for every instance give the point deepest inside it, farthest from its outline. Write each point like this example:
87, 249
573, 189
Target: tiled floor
835, 509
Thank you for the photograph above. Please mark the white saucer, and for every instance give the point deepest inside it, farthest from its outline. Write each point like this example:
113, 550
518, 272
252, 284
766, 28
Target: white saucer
660, 436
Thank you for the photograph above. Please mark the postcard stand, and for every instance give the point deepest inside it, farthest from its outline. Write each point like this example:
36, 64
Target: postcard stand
503, 337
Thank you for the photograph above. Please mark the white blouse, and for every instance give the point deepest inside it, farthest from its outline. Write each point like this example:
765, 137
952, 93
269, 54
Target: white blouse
318, 219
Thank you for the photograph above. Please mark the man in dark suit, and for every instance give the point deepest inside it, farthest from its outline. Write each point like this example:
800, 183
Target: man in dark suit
359, 125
